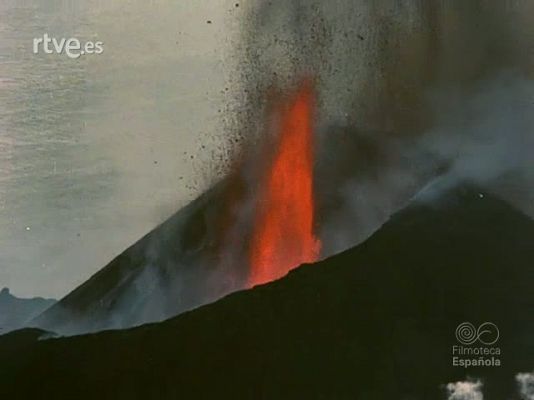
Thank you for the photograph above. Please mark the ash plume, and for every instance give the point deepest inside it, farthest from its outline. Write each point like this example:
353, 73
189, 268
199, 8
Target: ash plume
408, 92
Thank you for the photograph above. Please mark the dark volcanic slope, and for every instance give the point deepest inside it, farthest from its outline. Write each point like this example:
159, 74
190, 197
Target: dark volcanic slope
16, 312
200, 253
172, 269
375, 322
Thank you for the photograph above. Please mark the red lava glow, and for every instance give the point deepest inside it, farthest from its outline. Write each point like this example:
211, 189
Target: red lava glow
283, 236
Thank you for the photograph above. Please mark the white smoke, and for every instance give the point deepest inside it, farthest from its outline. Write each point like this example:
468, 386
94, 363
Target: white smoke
466, 390
485, 132
525, 382
484, 135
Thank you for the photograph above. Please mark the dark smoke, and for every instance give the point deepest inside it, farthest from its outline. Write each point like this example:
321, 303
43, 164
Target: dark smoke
409, 91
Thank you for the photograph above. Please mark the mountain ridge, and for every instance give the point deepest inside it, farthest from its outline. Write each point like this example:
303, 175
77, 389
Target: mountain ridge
15, 311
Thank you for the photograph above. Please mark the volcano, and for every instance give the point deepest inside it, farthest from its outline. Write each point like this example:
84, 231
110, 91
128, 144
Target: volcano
238, 234
377, 321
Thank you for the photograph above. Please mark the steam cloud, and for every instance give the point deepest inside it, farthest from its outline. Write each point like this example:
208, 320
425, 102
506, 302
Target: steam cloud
526, 385
486, 135
468, 390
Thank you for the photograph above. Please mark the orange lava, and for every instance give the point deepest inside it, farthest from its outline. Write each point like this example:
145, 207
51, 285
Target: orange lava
283, 235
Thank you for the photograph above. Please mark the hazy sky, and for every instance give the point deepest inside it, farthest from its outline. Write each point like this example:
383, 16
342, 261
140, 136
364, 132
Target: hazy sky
96, 151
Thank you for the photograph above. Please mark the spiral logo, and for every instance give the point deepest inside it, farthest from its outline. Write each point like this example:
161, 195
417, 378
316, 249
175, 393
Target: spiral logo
487, 333
466, 333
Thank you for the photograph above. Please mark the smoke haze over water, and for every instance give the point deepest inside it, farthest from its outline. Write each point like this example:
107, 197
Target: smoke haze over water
97, 151
407, 90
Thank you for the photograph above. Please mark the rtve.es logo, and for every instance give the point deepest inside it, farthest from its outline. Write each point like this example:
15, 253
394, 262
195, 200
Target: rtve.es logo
72, 47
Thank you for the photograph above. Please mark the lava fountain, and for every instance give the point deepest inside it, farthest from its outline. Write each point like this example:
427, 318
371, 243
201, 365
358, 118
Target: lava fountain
283, 236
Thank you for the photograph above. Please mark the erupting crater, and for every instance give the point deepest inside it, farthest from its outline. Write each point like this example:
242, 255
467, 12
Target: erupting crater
283, 235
